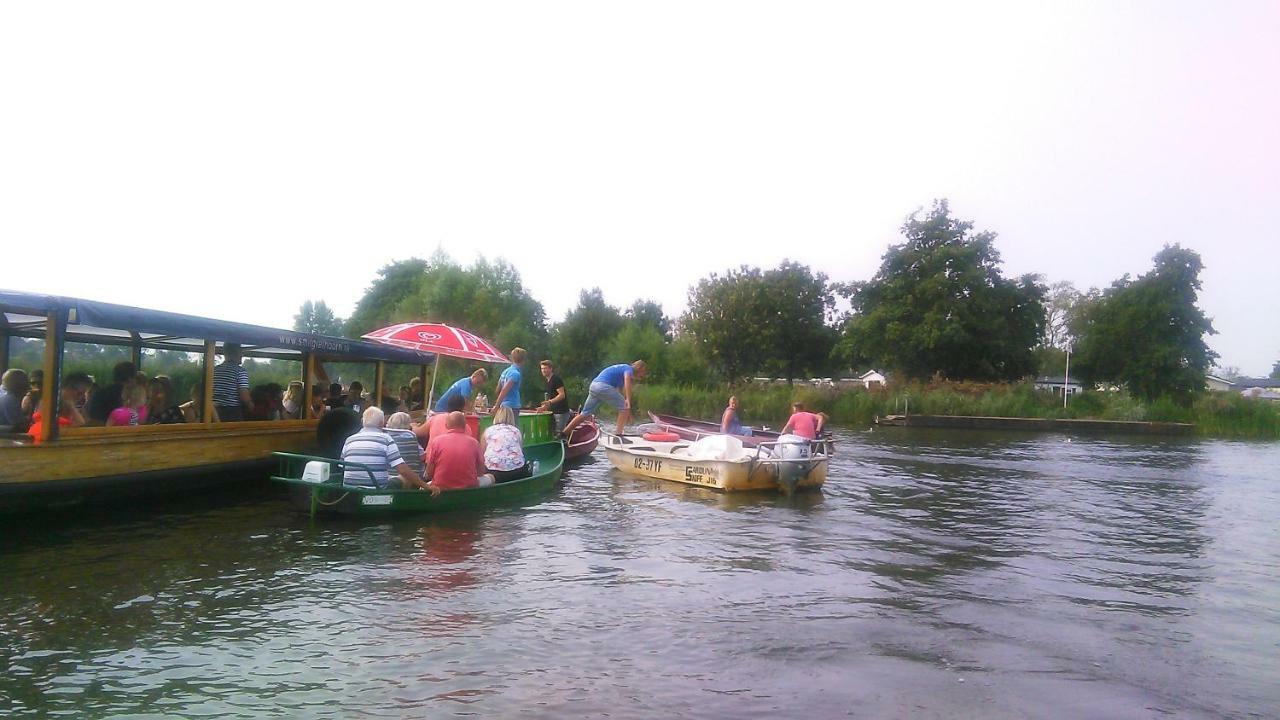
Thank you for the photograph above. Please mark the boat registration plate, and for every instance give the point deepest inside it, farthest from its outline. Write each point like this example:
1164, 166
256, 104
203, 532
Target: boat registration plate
376, 500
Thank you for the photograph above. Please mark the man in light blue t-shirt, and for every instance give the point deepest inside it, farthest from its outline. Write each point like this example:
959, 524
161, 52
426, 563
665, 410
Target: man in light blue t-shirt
613, 386
509, 383
465, 387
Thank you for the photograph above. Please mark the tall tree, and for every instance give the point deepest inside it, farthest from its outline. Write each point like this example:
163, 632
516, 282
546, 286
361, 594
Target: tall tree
1062, 301
649, 313
798, 306
1148, 334
317, 318
724, 320
580, 343
377, 308
940, 305
1275, 371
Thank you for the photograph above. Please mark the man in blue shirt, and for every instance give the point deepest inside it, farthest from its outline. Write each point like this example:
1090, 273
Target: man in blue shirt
613, 386
465, 387
509, 383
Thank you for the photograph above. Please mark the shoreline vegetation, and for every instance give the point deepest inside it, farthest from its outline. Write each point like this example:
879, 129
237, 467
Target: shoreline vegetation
1219, 415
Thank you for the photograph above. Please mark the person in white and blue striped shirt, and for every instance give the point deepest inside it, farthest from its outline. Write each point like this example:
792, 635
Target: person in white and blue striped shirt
376, 450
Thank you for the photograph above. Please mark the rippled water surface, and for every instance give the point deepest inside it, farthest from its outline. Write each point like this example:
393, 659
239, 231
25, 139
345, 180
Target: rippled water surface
946, 574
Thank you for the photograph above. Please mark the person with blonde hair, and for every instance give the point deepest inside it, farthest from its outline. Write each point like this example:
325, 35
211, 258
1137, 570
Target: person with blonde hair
509, 383
503, 447
133, 403
293, 399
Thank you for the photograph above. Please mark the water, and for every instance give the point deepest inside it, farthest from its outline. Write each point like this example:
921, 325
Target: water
947, 574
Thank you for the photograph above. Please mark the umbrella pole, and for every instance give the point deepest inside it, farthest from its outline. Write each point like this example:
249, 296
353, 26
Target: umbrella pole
432, 396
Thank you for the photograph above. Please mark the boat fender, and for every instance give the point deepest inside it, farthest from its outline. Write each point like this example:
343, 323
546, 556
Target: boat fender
661, 436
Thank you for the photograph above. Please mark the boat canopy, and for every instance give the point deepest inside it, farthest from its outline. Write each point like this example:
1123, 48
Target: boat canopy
24, 315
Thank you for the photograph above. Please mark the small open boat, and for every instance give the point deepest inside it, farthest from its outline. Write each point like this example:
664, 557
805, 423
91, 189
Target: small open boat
692, 430
334, 498
723, 463
585, 438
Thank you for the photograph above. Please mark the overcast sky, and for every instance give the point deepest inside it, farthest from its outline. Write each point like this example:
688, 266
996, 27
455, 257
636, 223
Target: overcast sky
234, 159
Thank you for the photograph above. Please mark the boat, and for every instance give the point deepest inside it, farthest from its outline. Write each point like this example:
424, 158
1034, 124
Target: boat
74, 465
310, 492
689, 429
722, 462
583, 442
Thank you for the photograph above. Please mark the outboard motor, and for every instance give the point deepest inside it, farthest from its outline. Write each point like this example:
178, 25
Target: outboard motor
794, 450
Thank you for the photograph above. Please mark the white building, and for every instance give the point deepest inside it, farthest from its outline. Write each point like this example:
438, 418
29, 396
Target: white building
1056, 385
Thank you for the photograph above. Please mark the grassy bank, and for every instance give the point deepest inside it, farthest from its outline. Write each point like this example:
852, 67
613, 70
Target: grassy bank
1214, 414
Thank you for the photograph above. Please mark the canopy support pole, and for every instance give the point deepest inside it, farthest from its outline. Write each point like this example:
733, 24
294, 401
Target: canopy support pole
50, 395
304, 412
379, 377
4, 347
432, 396
206, 402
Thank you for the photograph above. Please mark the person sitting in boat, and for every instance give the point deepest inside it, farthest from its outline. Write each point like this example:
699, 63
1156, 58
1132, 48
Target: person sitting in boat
378, 452
160, 411
509, 383
557, 402
503, 447
415, 394
355, 396
14, 386
399, 427
335, 398
31, 401
730, 424
454, 460
133, 403
613, 386
463, 387
231, 386
106, 399
805, 424
74, 387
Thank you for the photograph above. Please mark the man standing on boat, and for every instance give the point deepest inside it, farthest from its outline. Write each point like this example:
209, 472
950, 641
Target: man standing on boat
464, 387
805, 424
231, 386
557, 401
509, 383
613, 386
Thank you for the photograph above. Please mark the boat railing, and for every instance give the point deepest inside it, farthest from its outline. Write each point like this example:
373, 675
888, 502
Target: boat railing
291, 462
815, 449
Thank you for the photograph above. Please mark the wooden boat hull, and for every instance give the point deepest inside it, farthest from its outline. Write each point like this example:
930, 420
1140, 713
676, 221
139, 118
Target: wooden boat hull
656, 460
335, 499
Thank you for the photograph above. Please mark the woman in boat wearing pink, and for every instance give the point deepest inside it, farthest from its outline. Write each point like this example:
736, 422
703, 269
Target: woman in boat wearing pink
805, 424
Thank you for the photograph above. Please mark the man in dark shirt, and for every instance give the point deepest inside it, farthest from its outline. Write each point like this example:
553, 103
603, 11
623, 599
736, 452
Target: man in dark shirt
108, 398
557, 398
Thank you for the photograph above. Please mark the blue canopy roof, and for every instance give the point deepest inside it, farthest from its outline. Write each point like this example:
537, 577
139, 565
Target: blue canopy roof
23, 314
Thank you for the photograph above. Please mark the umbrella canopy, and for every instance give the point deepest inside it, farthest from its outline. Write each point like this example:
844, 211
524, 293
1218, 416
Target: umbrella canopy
440, 339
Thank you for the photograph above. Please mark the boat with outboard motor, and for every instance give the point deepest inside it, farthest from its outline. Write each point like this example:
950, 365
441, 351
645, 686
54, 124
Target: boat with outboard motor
315, 487
722, 462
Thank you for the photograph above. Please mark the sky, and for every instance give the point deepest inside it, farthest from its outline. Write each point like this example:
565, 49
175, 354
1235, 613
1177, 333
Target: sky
234, 159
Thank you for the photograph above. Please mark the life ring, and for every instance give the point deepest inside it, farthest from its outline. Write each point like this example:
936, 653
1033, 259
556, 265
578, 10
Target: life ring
661, 437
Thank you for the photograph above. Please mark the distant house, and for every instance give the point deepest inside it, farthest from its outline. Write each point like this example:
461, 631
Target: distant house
1258, 393
1056, 385
872, 378
1213, 382
1259, 388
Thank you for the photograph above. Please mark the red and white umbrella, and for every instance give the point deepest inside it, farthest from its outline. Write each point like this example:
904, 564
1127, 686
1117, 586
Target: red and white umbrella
440, 339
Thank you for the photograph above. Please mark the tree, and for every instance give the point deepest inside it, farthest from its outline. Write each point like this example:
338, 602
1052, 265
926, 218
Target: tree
649, 313
580, 342
1059, 307
317, 318
940, 305
640, 342
1275, 371
724, 320
378, 306
1148, 333
747, 320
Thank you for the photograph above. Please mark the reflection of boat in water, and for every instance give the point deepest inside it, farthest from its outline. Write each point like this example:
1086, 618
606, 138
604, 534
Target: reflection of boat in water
331, 497
722, 463
689, 429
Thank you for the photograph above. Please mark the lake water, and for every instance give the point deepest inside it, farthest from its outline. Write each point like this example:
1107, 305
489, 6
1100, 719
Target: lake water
939, 574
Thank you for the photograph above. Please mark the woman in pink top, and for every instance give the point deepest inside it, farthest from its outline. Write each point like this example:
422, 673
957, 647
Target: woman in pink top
805, 424
133, 403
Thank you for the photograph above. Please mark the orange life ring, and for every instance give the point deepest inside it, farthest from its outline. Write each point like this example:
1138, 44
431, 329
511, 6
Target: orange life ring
661, 437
